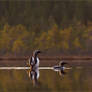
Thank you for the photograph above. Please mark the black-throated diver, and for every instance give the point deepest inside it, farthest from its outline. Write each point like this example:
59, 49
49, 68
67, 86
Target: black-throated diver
34, 60
60, 66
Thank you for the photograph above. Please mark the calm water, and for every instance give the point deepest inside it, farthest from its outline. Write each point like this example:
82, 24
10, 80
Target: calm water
74, 80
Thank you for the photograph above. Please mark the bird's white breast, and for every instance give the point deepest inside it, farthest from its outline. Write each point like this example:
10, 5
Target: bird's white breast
37, 64
33, 61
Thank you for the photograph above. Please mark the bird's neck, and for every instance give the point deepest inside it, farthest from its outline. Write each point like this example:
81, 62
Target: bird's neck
35, 56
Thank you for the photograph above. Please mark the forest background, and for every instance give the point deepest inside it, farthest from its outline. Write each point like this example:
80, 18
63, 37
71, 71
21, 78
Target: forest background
58, 27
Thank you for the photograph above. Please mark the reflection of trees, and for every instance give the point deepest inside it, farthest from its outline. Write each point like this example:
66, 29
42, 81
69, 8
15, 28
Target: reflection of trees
76, 80
80, 80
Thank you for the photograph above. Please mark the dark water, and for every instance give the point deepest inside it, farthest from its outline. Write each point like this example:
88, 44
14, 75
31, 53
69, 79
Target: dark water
75, 80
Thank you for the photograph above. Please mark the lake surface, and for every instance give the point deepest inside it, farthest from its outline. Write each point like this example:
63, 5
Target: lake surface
77, 79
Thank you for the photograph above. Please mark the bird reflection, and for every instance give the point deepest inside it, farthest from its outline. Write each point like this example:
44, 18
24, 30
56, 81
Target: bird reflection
60, 68
62, 72
34, 75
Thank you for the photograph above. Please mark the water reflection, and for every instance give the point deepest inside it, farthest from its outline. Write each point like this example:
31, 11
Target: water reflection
61, 72
34, 75
15, 79
75, 80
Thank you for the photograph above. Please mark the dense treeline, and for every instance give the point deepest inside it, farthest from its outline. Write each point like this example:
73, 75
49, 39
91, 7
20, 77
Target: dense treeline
62, 26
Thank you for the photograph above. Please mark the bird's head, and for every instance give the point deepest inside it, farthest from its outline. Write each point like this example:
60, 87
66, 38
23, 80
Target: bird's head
36, 52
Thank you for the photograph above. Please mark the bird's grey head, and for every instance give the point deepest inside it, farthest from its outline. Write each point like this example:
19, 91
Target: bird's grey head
36, 52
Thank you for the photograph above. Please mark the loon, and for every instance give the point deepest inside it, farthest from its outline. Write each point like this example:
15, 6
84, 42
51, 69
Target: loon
34, 60
60, 66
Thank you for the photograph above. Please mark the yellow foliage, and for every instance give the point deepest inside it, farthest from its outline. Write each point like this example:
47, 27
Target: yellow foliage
77, 43
91, 38
18, 46
66, 33
13, 36
17, 38
65, 45
41, 41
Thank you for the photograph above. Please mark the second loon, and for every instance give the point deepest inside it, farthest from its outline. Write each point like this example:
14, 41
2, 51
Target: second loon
60, 66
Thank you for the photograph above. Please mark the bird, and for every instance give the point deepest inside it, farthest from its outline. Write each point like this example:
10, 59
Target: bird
60, 66
33, 61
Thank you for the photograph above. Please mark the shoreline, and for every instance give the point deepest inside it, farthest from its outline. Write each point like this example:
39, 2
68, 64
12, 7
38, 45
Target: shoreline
47, 57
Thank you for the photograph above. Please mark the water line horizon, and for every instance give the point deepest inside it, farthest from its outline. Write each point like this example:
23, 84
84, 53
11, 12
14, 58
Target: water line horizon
23, 68
27, 68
